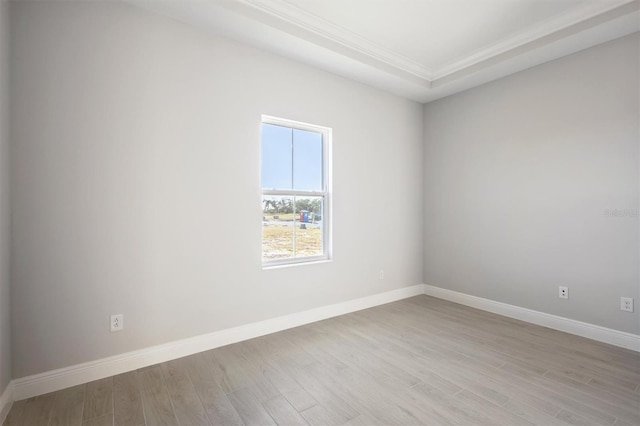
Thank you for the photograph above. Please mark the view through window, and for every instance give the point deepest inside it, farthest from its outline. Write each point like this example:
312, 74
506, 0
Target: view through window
295, 192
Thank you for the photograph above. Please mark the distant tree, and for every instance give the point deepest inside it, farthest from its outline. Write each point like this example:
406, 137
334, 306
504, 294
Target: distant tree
310, 204
285, 206
303, 204
270, 206
315, 205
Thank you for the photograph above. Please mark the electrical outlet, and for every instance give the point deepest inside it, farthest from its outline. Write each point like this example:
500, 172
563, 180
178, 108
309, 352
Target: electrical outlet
381, 274
563, 292
117, 322
626, 304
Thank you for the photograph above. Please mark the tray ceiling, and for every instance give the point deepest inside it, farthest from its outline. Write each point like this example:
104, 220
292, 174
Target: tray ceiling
419, 49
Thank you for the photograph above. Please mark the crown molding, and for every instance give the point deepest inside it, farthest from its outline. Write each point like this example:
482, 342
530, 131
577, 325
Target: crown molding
291, 14
286, 30
529, 35
314, 24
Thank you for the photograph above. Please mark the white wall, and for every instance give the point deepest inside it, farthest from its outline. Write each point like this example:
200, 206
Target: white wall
135, 153
518, 175
5, 306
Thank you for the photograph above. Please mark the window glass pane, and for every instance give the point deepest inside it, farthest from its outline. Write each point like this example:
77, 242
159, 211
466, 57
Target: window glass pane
277, 153
307, 160
277, 227
309, 225
294, 197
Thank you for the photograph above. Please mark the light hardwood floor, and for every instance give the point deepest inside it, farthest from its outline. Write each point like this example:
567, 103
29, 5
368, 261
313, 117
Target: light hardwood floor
417, 361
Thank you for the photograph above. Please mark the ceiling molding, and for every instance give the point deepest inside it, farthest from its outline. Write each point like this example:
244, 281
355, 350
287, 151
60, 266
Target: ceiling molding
313, 23
317, 25
281, 28
318, 35
621, 27
531, 34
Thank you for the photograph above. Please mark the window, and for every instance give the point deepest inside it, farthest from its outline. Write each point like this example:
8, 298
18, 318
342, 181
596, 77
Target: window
295, 192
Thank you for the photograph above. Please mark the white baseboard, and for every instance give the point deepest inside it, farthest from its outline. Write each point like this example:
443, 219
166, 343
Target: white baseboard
6, 401
50, 381
579, 328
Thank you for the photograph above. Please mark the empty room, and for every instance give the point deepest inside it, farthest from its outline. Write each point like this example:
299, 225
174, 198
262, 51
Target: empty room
319, 212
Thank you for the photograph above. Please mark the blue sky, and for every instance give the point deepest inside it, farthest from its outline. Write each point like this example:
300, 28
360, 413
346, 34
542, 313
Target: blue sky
291, 158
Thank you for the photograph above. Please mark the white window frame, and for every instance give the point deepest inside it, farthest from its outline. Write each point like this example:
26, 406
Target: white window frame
325, 193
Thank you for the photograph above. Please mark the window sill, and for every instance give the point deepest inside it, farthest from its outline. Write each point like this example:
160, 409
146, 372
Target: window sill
293, 264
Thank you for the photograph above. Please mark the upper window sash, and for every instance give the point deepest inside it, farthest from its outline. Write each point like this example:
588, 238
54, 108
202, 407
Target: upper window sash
299, 152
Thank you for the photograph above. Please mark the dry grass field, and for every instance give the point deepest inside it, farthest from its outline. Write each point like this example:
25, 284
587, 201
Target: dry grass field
277, 239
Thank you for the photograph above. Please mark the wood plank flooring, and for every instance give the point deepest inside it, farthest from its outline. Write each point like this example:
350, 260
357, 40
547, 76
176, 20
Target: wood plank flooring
417, 361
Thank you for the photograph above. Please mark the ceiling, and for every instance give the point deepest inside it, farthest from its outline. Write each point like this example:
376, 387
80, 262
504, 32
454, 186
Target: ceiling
419, 49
